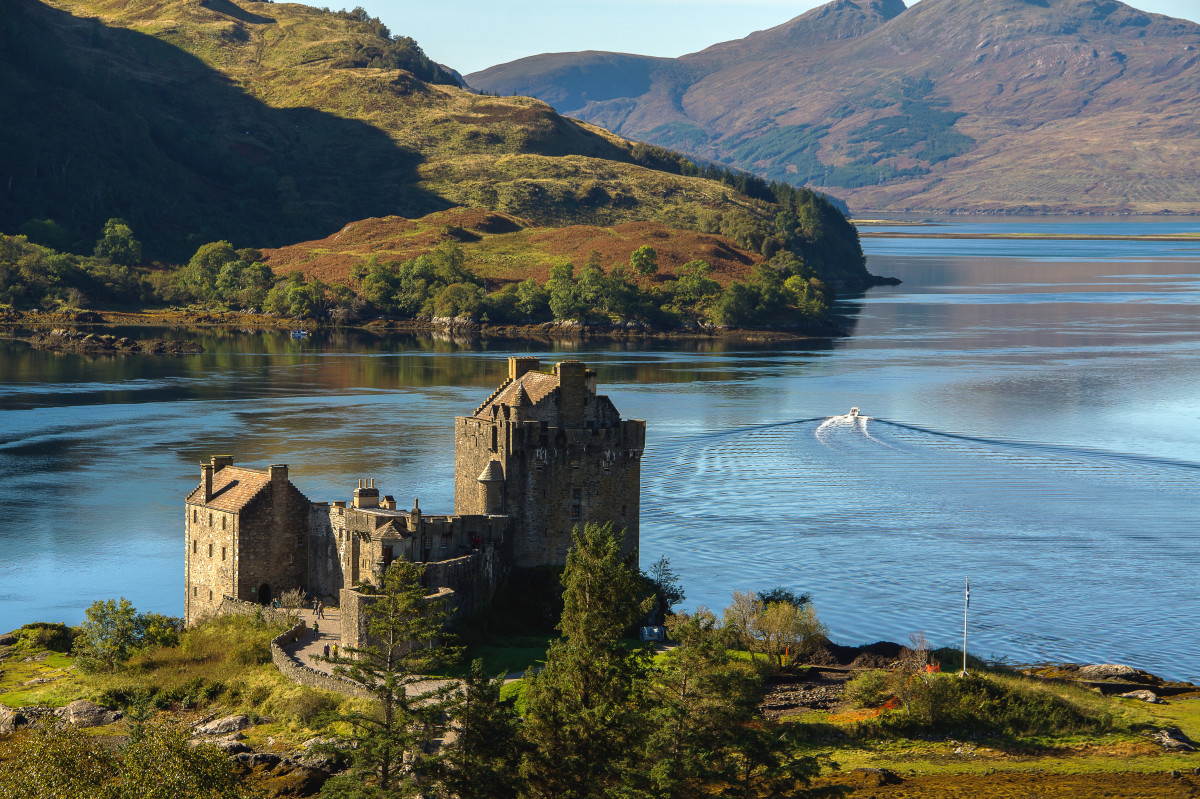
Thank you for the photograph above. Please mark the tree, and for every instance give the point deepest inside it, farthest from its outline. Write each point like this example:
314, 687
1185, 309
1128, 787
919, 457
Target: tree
644, 260
108, 636
781, 631
533, 301
664, 582
564, 295
701, 696
118, 245
393, 743
583, 721
482, 762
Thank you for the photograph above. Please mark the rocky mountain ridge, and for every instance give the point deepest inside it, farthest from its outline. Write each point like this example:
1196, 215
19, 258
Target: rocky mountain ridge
1076, 106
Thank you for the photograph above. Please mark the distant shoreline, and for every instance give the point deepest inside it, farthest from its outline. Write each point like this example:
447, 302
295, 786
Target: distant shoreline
454, 329
874, 234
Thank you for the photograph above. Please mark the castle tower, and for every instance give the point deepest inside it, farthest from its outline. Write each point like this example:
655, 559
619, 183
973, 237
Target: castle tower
562, 457
246, 534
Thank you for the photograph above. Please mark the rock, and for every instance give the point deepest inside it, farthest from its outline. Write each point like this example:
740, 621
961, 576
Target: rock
8, 639
1144, 695
257, 759
230, 746
82, 713
1172, 739
224, 726
10, 719
876, 777
1105, 671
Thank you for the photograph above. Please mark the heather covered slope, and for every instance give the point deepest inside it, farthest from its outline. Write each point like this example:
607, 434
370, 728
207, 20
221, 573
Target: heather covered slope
266, 124
501, 248
976, 105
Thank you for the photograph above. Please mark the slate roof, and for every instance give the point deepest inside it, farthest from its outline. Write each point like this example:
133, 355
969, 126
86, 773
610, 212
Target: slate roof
233, 488
535, 385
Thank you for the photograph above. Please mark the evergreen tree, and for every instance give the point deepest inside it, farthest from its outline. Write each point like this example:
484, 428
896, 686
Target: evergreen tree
584, 721
482, 762
393, 744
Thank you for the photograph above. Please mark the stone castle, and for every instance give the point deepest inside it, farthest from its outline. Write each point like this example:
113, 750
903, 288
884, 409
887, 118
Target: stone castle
543, 454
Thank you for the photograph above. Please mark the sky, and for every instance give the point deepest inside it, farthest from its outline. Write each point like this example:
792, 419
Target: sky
470, 35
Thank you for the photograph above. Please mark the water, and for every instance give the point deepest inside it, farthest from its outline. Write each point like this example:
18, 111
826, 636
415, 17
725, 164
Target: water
1034, 416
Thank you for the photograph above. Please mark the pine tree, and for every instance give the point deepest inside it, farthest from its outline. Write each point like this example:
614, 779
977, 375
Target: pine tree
584, 722
483, 760
394, 743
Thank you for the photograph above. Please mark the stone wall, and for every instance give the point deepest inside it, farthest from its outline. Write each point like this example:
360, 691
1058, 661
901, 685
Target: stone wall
298, 672
210, 560
354, 618
326, 573
273, 541
235, 607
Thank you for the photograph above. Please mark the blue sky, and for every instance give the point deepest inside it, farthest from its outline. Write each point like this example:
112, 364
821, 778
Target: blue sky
470, 35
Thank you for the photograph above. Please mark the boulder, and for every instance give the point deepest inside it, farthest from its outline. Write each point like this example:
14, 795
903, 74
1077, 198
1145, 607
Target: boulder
82, 713
224, 726
230, 746
1144, 695
10, 719
1172, 739
1107, 671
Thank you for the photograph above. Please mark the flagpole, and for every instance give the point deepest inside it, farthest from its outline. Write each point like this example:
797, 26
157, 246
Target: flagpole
966, 605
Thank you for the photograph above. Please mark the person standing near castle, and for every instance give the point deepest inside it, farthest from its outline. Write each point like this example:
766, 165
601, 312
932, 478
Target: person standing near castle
320, 609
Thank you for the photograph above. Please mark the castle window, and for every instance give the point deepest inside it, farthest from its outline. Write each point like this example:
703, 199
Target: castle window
222, 553
195, 546
195, 515
223, 520
210, 520
195, 591
210, 550
495, 441
210, 595
576, 512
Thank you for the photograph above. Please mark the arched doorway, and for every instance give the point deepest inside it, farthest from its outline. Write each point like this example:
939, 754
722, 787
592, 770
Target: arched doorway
264, 594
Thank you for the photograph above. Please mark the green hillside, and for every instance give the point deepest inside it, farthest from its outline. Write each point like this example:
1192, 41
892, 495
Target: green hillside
267, 124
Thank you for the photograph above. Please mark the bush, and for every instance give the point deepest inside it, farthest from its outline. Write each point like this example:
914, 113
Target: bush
311, 708
293, 598
868, 689
55, 636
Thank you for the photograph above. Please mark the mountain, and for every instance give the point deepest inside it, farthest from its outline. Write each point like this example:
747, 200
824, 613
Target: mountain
1063, 106
267, 124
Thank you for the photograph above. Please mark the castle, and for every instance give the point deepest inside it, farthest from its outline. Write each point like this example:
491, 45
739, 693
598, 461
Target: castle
543, 454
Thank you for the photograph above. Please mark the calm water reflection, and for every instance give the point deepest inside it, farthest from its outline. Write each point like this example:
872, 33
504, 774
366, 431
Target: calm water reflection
1035, 424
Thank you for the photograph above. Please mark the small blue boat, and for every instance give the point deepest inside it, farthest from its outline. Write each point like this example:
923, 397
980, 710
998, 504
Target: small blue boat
299, 334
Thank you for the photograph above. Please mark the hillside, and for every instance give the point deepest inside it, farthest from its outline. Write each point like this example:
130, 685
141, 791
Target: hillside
501, 248
266, 124
951, 105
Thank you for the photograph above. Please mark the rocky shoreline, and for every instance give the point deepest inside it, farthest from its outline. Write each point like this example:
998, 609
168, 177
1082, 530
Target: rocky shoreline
454, 329
80, 343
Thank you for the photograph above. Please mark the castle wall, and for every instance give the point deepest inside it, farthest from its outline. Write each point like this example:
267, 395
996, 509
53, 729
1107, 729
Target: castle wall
273, 543
325, 544
210, 562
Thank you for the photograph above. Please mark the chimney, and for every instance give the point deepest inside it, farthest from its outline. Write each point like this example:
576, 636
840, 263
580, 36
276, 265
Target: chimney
206, 475
589, 380
572, 392
388, 502
366, 495
219, 462
519, 365
278, 472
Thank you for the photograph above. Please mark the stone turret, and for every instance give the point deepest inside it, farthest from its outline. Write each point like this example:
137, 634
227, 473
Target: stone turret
553, 454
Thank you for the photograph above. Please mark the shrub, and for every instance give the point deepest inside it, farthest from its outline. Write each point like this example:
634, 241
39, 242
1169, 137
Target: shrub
310, 708
868, 689
55, 636
293, 598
